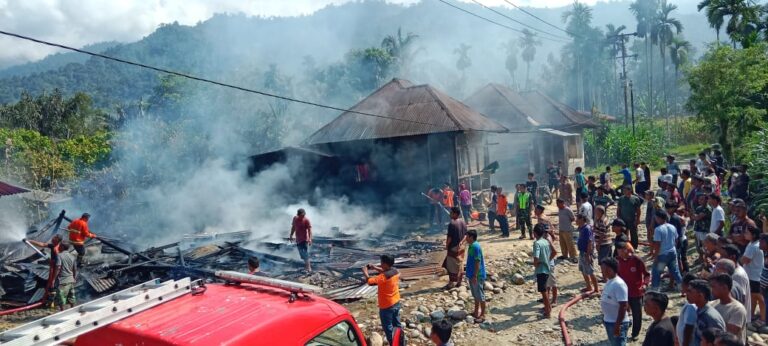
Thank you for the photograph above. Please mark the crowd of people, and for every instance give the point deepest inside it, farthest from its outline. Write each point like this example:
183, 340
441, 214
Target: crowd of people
705, 205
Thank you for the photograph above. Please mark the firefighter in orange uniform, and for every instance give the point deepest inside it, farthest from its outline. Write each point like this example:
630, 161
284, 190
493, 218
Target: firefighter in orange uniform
78, 233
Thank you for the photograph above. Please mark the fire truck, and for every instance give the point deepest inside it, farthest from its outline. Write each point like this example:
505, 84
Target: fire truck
243, 310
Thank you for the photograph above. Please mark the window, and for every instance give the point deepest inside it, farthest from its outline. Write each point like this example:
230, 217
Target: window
341, 334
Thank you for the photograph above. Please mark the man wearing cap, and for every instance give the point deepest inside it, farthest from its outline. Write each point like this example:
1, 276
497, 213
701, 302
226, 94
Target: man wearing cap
78, 233
742, 223
632, 270
628, 210
665, 250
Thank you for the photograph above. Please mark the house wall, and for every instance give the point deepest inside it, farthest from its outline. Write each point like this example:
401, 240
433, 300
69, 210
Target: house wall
400, 169
513, 152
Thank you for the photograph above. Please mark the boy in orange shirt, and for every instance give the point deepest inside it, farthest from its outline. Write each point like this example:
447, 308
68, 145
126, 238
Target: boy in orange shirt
388, 281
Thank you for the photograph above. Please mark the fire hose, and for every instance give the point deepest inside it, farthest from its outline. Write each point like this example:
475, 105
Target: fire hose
561, 316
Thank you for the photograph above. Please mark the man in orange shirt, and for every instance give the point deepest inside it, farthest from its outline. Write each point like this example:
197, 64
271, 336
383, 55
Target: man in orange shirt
448, 195
388, 281
78, 233
501, 212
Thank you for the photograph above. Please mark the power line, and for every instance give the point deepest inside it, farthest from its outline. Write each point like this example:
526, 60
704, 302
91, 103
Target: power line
200, 79
541, 20
262, 93
486, 19
519, 22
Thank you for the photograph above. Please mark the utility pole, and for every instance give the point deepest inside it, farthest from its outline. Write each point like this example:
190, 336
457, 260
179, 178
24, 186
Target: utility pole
621, 38
632, 102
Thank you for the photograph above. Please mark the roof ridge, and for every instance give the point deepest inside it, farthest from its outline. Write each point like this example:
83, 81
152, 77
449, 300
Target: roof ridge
527, 116
559, 108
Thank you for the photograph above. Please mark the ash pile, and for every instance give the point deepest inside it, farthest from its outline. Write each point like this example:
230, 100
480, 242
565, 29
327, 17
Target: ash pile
113, 263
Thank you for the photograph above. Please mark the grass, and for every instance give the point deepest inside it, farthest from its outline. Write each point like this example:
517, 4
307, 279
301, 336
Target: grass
688, 151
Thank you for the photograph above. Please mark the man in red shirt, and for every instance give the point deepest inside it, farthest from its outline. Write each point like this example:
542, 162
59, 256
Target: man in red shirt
303, 231
78, 233
632, 270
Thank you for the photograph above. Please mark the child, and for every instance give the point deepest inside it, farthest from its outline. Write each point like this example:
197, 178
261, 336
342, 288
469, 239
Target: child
586, 246
253, 267
441, 333
388, 282
475, 273
542, 255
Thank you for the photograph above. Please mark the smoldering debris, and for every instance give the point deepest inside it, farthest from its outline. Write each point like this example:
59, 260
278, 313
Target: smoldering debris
113, 264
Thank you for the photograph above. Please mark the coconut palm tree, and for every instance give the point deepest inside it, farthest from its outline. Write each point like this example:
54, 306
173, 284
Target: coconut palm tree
400, 48
679, 53
665, 30
645, 14
714, 17
528, 42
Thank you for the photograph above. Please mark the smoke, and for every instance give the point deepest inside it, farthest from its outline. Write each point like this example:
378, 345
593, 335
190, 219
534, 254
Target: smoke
13, 225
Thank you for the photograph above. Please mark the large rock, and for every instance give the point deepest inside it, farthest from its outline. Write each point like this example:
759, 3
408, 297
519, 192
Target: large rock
457, 314
464, 295
518, 279
437, 315
488, 286
414, 333
424, 309
496, 290
376, 339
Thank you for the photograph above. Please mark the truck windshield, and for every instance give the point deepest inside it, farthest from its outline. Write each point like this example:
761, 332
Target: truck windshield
341, 334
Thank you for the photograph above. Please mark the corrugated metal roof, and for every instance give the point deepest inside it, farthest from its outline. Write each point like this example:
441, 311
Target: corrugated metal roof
558, 132
352, 292
416, 110
526, 109
8, 189
101, 285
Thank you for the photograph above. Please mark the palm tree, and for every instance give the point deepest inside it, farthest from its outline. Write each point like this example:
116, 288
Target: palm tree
645, 14
464, 62
400, 48
578, 20
528, 43
611, 34
740, 14
666, 28
679, 52
714, 17
511, 63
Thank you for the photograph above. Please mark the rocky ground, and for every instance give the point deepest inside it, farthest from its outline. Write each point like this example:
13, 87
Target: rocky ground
515, 317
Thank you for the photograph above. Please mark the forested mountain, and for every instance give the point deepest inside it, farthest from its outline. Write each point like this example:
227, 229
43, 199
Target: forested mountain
310, 49
55, 61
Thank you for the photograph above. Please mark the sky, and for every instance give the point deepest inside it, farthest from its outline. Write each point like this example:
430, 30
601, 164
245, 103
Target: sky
81, 22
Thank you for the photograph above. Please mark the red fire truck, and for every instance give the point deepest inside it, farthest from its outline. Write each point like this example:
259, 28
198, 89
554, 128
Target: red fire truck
246, 310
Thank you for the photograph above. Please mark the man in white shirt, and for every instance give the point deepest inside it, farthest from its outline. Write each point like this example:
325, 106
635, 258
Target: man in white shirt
586, 209
727, 265
717, 222
639, 180
614, 302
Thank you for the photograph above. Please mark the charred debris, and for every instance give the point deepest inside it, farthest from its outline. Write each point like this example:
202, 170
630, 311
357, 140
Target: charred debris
113, 264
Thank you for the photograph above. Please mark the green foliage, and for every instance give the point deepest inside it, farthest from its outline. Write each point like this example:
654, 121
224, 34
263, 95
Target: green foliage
54, 115
615, 144
85, 152
756, 155
729, 92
